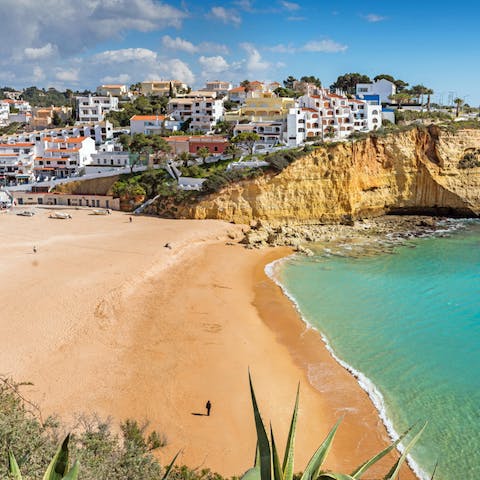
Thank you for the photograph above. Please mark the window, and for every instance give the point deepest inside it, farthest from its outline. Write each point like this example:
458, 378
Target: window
363, 89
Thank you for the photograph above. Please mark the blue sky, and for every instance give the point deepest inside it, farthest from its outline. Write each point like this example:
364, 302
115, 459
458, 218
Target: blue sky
82, 44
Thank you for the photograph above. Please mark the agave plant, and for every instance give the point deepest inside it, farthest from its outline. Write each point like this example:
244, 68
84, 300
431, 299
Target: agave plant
58, 468
267, 462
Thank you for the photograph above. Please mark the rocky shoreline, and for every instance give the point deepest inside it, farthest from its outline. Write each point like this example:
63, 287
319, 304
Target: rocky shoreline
385, 230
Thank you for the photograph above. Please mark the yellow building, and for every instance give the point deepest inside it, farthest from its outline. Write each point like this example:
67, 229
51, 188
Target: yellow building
162, 87
266, 106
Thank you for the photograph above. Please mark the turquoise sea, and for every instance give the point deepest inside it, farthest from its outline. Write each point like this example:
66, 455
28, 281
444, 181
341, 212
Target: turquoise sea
407, 323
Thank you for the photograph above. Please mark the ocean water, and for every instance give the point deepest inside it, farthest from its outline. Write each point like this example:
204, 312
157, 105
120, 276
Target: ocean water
407, 323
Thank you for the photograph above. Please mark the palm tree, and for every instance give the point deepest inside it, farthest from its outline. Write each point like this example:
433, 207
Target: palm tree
429, 93
458, 102
203, 152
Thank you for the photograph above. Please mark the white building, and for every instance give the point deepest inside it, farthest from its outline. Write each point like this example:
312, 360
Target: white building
330, 116
107, 160
153, 124
270, 133
100, 132
17, 163
218, 86
113, 90
203, 113
61, 157
383, 88
93, 109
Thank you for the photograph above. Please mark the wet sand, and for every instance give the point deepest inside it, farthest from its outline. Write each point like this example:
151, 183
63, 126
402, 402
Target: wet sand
104, 318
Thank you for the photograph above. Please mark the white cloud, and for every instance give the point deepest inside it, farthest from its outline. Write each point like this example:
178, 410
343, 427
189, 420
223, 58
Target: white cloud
290, 6
281, 48
295, 18
374, 18
212, 47
254, 62
178, 44
212, 65
126, 55
177, 70
67, 76
38, 74
122, 78
324, 46
246, 5
74, 26
48, 50
225, 15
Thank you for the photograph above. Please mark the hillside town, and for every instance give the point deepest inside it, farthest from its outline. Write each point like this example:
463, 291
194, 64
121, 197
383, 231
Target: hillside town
91, 136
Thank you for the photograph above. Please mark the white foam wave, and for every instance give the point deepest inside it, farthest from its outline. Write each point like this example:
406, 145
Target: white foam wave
272, 271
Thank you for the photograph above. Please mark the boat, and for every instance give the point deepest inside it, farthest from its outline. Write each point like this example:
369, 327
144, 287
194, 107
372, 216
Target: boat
99, 211
26, 213
60, 215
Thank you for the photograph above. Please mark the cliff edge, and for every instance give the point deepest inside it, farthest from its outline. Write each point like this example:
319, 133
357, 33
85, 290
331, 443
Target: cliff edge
415, 171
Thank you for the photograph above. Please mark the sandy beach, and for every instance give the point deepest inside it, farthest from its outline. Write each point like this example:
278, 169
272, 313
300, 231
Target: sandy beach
104, 318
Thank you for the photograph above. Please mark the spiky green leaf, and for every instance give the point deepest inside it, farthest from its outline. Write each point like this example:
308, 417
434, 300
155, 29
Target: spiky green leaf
251, 474
277, 469
313, 467
73, 472
392, 474
263, 444
290, 447
59, 465
170, 466
13, 468
365, 466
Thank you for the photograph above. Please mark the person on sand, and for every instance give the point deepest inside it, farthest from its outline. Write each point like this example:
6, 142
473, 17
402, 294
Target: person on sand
131, 219
34, 249
208, 406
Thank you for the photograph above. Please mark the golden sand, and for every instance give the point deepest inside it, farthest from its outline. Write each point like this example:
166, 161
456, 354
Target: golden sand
104, 318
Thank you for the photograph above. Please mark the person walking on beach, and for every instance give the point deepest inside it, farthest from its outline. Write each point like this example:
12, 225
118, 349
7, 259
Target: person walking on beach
208, 406
131, 219
34, 249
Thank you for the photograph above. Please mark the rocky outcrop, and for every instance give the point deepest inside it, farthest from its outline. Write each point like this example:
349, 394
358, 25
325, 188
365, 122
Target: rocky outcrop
414, 171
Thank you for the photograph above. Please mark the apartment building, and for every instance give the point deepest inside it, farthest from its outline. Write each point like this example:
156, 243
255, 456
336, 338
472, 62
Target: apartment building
92, 109
383, 88
221, 88
329, 115
43, 116
162, 87
17, 163
61, 157
100, 132
237, 95
266, 106
201, 112
270, 133
215, 144
153, 124
113, 90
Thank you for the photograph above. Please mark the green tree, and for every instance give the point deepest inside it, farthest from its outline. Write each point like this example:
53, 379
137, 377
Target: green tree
285, 92
311, 79
159, 147
458, 104
401, 98
203, 153
223, 128
233, 150
348, 82
246, 85
184, 157
384, 76
246, 140
401, 85
289, 81
57, 120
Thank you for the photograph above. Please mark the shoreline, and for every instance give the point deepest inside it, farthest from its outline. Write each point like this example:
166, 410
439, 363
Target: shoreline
303, 341
363, 381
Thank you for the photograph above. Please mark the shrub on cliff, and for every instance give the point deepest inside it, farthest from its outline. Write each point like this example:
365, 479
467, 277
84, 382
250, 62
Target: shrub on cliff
470, 160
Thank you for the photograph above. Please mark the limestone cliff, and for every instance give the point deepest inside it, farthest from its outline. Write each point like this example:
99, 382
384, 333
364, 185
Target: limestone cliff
415, 171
